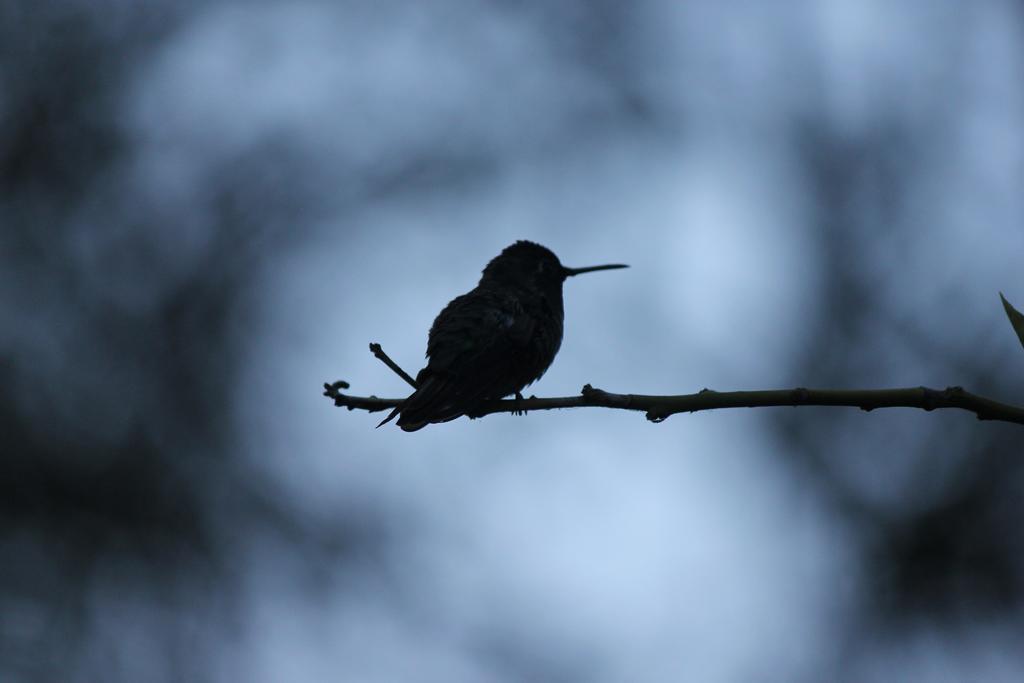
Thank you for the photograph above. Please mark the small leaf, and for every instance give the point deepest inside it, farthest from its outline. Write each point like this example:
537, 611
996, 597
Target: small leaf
1016, 318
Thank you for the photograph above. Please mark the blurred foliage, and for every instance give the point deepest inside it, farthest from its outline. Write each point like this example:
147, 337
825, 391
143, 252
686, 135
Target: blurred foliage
941, 545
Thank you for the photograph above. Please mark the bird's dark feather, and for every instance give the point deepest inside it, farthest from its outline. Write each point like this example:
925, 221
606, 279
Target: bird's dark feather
483, 346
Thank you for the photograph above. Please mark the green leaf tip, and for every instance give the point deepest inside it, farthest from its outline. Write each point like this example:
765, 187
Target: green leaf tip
1016, 318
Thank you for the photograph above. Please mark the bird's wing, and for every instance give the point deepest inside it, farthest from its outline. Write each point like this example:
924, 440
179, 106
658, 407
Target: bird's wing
471, 327
472, 346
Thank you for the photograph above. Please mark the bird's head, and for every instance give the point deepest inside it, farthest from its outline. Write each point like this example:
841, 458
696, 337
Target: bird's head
531, 266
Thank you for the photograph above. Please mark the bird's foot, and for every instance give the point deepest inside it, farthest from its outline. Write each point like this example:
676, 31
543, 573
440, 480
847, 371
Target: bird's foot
519, 401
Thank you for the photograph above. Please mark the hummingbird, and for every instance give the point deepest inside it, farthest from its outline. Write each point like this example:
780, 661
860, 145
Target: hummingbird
493, 340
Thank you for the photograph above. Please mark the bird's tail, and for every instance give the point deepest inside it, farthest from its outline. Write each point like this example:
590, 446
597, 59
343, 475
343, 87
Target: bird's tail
431, 402
391, 416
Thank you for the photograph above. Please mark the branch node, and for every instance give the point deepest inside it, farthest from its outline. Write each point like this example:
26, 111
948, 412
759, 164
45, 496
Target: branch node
954, 393
333, 387
928, 399
657, 415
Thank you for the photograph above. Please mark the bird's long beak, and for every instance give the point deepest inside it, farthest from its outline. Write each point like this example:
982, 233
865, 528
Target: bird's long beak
569, 272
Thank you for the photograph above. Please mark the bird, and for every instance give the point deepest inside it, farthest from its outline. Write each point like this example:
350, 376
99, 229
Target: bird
494, 340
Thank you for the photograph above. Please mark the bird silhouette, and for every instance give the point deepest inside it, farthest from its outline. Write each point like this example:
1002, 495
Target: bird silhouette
494, 340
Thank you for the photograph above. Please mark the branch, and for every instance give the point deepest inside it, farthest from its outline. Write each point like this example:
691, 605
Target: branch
658, 408
377, 350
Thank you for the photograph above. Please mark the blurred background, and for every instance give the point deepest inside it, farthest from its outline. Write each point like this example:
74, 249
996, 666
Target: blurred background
208, 209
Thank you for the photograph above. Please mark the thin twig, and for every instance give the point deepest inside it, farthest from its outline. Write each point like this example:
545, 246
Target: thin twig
658, 408
384, 358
